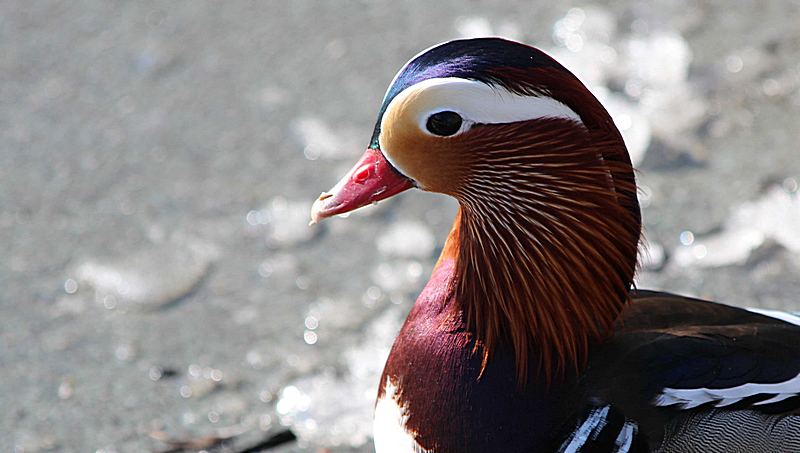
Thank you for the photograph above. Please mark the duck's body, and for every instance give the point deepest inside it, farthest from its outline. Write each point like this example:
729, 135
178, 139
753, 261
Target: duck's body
527, 337
433, 374
624, 400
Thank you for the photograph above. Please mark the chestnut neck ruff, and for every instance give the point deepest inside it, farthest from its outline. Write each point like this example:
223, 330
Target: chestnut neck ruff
545, 242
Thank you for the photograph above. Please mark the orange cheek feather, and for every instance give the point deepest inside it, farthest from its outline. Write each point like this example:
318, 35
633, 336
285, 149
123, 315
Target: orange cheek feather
437, 164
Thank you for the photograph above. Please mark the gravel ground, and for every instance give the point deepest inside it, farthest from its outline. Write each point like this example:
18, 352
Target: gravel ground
158, 160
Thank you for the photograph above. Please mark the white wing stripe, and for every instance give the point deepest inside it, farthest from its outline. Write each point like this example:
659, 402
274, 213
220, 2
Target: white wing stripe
690, 398
775, 399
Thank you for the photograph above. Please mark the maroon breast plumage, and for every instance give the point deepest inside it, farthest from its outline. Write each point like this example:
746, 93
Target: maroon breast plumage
527, 336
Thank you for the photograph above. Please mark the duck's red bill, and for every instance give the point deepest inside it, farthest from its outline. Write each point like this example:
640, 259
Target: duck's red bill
370, 180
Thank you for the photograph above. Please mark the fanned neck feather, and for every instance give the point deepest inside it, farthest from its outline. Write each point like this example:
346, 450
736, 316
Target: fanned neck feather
546, 240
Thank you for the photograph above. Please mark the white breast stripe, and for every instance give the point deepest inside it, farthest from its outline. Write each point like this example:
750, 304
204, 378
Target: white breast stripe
691, 398
777, 314
625, 438
594, 423
388, 425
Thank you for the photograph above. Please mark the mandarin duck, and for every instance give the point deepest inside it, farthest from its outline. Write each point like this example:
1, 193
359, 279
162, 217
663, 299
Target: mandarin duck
529, 335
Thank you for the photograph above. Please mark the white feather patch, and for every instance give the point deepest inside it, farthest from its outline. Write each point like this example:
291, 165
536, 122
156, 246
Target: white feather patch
478, 102
691, 398
389, 425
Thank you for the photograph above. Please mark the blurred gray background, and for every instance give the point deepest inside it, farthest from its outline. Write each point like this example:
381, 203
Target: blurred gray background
160, 287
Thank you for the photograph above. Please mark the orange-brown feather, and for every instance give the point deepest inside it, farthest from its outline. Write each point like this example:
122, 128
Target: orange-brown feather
546, 250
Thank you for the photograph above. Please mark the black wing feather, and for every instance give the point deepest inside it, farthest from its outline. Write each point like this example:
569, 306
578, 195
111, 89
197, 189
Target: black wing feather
665, 341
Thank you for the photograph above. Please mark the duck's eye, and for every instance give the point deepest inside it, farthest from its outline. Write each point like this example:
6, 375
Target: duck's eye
444, 123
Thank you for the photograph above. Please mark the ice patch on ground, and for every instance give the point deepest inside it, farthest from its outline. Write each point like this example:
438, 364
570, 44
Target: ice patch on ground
656, 60
651, 69
775, 216
152, 277
332, 408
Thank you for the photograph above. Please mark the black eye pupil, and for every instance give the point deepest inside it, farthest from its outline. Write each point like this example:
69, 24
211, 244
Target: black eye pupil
444, 123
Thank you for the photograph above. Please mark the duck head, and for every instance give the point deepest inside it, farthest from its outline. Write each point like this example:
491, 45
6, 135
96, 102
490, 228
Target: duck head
545, 243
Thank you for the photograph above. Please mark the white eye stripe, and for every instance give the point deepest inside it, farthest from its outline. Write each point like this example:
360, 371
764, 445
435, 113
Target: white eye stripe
477, 102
